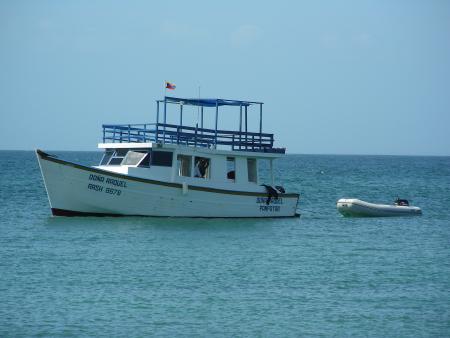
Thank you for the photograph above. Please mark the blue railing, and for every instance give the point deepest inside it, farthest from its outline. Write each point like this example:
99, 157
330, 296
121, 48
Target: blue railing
129, 133
191, 136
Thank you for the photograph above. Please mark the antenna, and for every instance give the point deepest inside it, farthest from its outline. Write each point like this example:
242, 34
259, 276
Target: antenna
198, 106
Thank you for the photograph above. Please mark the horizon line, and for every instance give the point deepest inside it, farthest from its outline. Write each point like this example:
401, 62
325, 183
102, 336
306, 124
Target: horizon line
308, 154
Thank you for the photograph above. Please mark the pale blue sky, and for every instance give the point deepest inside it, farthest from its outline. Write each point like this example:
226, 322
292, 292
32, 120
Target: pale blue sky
337, 77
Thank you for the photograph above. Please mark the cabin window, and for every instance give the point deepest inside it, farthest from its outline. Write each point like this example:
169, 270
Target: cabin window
106, 157
184, 163
231, 168
252, 171
118, 156
115, 161
161, 158
201, 168
145, 163
133, 157
121, 152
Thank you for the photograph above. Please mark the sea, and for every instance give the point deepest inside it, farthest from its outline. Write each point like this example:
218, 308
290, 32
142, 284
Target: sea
319, 275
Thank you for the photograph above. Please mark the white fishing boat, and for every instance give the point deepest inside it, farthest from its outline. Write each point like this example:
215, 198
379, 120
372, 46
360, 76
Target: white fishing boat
358, 208
163, 169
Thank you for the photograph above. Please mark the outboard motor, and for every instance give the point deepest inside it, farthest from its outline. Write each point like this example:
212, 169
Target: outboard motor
271, 193
401, 202
280, 189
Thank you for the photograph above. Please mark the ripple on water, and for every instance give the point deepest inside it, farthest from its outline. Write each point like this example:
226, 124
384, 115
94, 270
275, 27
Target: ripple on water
320, 274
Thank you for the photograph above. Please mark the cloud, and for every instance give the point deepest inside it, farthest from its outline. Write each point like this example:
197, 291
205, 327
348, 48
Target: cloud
329, 40
181, 31
46, 24
334, 40
245, 35
363, 39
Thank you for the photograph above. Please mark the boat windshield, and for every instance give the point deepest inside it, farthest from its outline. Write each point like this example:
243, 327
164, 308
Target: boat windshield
133, 157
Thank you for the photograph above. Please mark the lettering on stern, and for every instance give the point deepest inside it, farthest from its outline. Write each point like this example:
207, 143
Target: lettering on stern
273, 206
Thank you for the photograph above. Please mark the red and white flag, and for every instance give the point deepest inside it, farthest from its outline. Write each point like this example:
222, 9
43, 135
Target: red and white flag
170, 86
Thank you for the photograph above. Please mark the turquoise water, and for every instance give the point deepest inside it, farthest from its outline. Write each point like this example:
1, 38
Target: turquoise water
318, 275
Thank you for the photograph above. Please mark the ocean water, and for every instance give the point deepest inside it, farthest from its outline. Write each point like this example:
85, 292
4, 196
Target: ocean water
317, 275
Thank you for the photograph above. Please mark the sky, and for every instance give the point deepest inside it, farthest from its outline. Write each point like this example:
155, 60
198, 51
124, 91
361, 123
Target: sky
336, 77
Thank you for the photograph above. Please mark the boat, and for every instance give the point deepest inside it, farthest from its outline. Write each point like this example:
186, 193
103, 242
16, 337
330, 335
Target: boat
173, 170
359, 208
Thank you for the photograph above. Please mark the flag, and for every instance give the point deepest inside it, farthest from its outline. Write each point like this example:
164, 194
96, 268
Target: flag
170, 86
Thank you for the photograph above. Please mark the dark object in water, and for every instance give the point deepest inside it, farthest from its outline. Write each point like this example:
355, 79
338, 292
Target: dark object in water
401, 202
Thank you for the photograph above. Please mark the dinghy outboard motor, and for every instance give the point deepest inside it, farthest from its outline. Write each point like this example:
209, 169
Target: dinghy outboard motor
401, 202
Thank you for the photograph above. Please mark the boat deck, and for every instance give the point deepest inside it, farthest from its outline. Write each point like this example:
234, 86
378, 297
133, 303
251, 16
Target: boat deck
237, 140
190, 136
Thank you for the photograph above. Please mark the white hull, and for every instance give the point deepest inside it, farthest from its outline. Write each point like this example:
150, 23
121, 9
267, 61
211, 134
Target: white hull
78, 190
356, 207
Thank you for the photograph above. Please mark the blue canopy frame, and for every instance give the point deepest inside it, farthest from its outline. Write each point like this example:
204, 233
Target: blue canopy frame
199, 102
193, 135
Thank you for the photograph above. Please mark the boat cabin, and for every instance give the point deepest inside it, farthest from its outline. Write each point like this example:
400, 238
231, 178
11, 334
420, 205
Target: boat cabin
194, 155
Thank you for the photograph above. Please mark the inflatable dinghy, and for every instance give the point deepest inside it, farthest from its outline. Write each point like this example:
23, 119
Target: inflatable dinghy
357, 208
